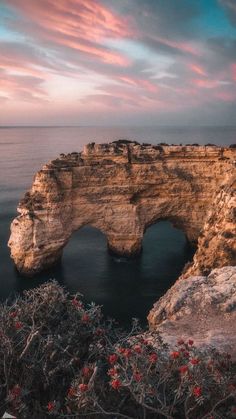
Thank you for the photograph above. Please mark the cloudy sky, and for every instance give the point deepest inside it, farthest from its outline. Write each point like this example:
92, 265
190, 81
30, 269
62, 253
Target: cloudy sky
117, 62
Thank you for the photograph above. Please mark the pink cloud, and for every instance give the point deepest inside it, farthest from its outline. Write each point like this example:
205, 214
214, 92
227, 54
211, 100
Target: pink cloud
226, 96
25, 88
198, 69
104, 55
3, 99
78, 24
205, 84
80, 39
163, 98
108, 101
184, 47
14, 67
62, 26
75, 17
136, 82
233, 69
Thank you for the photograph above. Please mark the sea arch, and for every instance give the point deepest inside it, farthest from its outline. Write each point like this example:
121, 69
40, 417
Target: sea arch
121, 189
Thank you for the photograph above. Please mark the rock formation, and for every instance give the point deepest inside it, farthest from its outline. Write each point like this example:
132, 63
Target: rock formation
199, 307
122, 188
217, 241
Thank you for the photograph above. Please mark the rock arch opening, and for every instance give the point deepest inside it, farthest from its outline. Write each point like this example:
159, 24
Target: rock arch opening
169, 246
125, 287
84, 256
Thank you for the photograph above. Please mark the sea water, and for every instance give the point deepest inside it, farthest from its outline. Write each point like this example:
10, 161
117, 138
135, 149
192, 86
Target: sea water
125, 288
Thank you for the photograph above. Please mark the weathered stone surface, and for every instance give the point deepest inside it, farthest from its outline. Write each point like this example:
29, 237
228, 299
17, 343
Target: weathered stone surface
217, 242
199, 307
121, 188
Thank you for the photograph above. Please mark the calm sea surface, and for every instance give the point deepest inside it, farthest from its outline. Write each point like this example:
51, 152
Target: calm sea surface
126, 288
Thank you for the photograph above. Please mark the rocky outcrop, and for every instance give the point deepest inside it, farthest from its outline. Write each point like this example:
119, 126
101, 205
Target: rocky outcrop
217, 241
199, 307
123, 187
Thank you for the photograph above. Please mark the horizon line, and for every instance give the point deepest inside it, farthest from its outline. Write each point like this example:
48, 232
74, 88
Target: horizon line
119, 126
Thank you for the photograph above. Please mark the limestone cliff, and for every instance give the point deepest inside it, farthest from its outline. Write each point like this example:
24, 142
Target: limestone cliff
123, 187
217, 241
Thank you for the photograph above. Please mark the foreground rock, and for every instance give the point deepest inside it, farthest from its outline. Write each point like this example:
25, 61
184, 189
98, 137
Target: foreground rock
199, 307
122, 188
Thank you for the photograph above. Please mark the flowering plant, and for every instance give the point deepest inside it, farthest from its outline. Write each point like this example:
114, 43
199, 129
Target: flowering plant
59, 358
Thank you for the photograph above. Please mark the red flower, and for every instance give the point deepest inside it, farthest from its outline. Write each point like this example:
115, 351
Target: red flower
137, 376
99, 332
112, 359
137, 349
194, 361
197, 391
127, 353
153, 358
121, 350
85, 318
18, 325
13, 314
144, 341
180, 342
71, 392
112, 372
175, 354
186, 354
83, 387
116, 384
51, 406
76, 303
183, 369
86, 371
190, 342
15, 391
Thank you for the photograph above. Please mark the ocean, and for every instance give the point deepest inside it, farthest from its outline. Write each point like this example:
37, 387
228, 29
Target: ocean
125, 288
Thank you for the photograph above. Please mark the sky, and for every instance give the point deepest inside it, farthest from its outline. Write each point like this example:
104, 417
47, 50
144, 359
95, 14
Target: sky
117, 62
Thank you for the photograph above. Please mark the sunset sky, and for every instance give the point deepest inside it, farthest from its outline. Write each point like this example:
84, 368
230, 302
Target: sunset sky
117, 62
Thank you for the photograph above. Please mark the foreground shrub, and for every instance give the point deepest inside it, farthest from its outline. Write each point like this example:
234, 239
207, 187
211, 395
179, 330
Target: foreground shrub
61, 359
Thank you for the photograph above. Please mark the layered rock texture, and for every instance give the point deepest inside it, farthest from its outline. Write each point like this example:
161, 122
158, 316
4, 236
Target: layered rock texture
122, 188
199, 307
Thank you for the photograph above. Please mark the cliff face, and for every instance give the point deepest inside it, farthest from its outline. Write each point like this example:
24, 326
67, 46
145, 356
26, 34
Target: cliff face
122, 188
217, 241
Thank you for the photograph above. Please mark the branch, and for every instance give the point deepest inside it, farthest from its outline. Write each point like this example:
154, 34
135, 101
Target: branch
29, 340
217, 405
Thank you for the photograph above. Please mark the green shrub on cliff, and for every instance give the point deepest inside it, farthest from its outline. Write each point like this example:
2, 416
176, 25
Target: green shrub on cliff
60, 359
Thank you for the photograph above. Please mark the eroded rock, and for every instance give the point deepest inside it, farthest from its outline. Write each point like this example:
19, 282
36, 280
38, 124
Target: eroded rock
199, 307
123, 187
